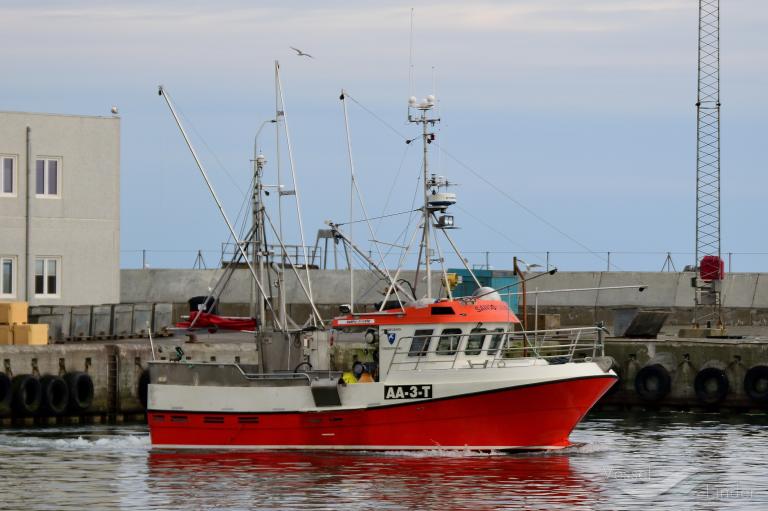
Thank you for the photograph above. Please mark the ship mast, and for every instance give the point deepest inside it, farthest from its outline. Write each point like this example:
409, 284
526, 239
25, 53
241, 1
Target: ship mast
258, 241
427, 137
437, 199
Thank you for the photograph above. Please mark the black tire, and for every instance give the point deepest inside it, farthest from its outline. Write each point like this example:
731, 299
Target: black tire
80, 391
756, 384
143, 389
55, 395
711, 385
6, 392
27, 394
653, 382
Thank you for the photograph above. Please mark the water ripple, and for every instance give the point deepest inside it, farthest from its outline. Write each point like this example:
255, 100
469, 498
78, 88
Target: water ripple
662, 461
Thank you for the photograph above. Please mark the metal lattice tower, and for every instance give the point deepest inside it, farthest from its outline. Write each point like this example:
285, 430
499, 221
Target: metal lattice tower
708, 134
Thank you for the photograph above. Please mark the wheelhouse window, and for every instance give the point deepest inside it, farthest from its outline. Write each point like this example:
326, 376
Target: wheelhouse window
496, 339
449, 341
47, 276
7, 277
475, 342
48, 178
8, 176
420, 343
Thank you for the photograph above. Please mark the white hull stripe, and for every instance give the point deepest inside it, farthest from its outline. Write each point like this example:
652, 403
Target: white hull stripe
381, 406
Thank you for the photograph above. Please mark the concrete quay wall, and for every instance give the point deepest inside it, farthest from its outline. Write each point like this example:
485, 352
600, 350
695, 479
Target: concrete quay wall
115, 369
744, 295
329, 287
740, 290
684, 360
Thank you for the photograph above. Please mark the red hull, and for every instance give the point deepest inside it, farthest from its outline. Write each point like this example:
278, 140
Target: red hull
535, 416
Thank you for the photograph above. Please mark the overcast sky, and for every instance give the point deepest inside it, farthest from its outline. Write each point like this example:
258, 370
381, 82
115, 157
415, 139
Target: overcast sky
582, 111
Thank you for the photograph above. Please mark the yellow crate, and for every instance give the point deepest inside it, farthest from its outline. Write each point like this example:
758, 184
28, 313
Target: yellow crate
6, 334
30, 334
12, 313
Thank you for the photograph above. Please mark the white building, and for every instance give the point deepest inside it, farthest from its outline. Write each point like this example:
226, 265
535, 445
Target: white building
59, 237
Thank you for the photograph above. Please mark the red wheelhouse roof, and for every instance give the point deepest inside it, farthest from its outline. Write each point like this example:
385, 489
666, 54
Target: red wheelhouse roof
448, 311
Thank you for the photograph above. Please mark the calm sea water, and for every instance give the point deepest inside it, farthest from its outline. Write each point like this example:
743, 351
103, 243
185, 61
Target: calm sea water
662, 461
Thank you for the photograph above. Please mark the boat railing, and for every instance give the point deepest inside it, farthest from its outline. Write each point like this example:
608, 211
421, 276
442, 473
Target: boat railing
275, 376
309, 376
171, 371
498, 349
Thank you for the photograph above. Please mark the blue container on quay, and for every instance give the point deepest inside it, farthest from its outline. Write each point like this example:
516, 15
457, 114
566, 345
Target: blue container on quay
497, 279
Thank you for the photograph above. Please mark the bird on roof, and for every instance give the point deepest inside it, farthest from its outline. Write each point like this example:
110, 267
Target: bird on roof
300, 53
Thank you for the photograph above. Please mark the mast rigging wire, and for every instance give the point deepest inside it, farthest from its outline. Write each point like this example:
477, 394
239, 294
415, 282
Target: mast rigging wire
188, 122
209, 185
377, 217
394, 183
307, 292
356, 189
295, 184
498, 232
491, 185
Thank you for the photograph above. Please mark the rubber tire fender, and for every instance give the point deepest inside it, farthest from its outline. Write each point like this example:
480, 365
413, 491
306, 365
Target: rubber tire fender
645, 374
751, 381
143, 388
6, 393
55, 395
80, 391
700, 385
27, 394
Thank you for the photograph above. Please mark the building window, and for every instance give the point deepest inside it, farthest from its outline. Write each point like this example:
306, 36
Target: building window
47, 276
48, 177
7, 175
7, 277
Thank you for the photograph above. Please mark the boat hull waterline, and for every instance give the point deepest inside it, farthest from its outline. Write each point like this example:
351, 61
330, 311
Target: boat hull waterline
531, 417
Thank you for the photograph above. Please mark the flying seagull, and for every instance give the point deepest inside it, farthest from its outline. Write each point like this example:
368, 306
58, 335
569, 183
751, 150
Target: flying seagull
300, 53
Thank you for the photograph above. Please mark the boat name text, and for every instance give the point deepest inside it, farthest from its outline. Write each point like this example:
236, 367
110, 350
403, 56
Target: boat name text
407, 391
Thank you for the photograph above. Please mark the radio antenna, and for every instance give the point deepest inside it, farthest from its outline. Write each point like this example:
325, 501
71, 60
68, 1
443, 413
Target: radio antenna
410, 60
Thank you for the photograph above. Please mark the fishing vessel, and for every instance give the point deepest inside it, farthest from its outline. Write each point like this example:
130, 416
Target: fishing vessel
447, 372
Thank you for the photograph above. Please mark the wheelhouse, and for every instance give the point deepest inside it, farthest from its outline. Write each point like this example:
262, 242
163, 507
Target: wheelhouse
447, 332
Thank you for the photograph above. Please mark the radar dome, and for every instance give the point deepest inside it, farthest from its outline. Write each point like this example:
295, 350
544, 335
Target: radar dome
487, 293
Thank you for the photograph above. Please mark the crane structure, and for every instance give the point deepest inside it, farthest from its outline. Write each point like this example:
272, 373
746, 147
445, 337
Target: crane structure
707, 289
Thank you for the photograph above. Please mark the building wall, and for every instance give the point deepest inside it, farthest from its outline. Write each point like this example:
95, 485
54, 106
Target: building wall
82, 225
